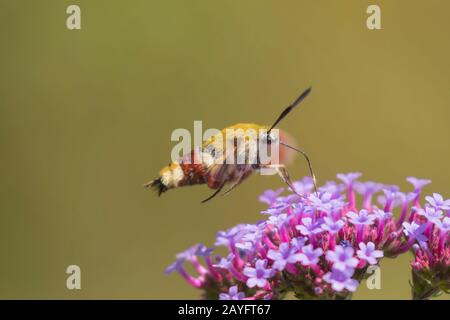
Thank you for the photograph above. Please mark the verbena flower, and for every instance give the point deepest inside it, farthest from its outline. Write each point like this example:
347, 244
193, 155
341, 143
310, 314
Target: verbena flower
342, 258
367, 252
332, 226
233, 294
418, 184
431, 265
319, 246
361, 218
309, 255
258, 275
341, 279
309, 226
415, 231
431, 214
438, 202
284, 255
270, 196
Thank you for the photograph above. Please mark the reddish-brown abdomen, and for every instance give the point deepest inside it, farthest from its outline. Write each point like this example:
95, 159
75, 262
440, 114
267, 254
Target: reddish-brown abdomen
193, 174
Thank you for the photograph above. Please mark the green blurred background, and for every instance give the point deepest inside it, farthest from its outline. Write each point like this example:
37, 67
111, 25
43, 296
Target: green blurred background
86, 118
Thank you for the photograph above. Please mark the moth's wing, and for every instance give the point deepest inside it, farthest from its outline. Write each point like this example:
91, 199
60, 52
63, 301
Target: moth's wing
214, 150
286, 155
230, 157
217, 151
217, 178
242, 175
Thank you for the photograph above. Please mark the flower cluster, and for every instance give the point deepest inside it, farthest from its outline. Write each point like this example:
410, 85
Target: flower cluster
319, 245
430, 227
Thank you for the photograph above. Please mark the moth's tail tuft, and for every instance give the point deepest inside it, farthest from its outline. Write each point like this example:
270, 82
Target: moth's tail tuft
157, 185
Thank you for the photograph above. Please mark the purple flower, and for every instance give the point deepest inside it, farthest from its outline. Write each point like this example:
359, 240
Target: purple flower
303, 186
415, 231
302, 208
249, 228
391, 188
283, 256
289, 199
308, 227
276, 209
225, 237
368, 187
189, 253
395, 199
381, 214
335, 205
277, 220
257, 276
270, 196
233, 294
245, 246
203, 251
342, 258
363, 217
444, 225
332, 187
332, 226
298, 242
309, 255
438, 202
345, 243
251, 236
341, 279
348, 178
418, 184
367, 252
225, 263
176, 266
314, 245
393, 195
321, 201
248, 238
410, 196
431, 214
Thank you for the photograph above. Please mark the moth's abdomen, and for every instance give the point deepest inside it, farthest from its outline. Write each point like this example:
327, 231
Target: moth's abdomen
180, 173
193, 174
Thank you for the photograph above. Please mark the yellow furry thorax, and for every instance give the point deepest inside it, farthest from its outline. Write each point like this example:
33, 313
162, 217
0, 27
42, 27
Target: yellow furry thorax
238, 126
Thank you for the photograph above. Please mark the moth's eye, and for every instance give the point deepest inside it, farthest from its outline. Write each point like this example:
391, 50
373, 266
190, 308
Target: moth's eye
265, 137
273, 137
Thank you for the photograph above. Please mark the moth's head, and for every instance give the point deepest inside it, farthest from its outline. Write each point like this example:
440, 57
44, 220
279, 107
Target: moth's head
270, 137
157, 185
273, 137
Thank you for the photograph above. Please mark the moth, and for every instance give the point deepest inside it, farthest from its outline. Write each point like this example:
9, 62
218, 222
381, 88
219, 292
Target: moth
214, 163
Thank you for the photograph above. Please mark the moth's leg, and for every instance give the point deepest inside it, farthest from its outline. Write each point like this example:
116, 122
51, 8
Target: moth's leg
284, 174
217, 180
242, 176
216, 176
311, 171
215, 192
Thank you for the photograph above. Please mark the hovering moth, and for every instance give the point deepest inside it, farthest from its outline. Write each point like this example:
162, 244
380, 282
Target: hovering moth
214, 163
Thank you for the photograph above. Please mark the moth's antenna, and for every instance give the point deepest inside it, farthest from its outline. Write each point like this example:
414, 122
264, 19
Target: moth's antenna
307, 160
290, 108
